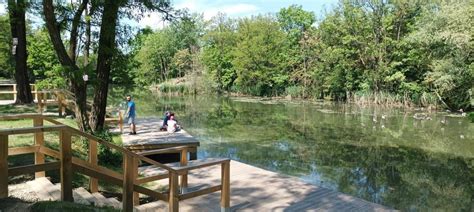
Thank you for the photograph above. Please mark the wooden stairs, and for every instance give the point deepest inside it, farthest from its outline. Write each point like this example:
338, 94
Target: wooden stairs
44, 190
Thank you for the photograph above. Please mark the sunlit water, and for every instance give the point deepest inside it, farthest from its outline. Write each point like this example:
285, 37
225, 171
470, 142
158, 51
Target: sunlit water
383, 155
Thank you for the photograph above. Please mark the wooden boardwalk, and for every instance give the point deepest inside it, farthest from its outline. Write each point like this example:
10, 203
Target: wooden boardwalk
255, 189
252, 188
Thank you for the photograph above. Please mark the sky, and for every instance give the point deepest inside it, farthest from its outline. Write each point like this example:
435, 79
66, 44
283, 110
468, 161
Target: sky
238, 8
232, 8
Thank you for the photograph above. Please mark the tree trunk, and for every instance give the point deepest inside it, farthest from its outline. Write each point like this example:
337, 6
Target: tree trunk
104, 61
87, 44
77, 86
74, 30
18, 30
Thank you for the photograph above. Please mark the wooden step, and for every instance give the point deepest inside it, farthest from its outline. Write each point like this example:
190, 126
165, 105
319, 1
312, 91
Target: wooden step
82, 196
41, 187
151, 207
101, 200
115, 203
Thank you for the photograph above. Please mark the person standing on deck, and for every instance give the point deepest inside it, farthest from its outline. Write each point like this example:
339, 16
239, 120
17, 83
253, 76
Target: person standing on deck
131, 115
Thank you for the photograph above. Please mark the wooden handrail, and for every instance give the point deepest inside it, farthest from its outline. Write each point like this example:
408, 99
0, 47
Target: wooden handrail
165, 150
16, 131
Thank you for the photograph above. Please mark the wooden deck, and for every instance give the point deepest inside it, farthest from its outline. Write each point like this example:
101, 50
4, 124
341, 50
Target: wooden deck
255, 189
252, 188
150, 137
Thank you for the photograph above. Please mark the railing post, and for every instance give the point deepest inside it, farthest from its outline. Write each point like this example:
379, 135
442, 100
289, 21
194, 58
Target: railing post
40, 102
36, 92
14, 93
184, 177
136, 195
173, 192
225, 191
3, 166
66, 166
39, 140
128, 181
121, 121
93, 182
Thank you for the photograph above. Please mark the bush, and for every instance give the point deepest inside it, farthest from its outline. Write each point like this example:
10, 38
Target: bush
471, 117
106, 154
294, 91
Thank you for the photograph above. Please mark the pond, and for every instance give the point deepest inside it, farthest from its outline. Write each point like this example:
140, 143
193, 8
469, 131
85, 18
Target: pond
384, 155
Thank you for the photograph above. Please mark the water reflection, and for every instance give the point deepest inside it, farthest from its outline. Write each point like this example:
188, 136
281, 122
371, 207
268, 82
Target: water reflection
380, 154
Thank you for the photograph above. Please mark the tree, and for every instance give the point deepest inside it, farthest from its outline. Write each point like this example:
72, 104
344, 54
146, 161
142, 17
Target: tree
297, 24
104, 61
260, 70
74, 75
219, 42
445, 33
16, 10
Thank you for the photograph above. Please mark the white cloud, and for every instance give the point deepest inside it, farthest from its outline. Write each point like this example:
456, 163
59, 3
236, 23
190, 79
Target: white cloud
209, 10
3, 8
231, 10
151, 19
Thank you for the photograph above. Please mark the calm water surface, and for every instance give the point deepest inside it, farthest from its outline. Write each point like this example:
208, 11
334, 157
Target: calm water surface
383, 155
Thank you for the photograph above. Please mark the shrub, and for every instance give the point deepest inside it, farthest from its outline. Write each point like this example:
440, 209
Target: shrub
106, 154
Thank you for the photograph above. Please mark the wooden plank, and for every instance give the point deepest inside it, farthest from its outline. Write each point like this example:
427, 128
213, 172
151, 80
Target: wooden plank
15, 95
66, 166
128, 175
184, 162
200, 192
39, 141
3, 166
93, 182
196, 164
49, 152
121, 121
175, 149
23, 150
20, 116
173, 203
27, 130
89, 171
225, 194
34, 168
151, 178
136, 196
9, 92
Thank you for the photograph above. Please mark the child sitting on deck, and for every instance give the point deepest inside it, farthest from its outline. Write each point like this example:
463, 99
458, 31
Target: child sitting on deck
172, 124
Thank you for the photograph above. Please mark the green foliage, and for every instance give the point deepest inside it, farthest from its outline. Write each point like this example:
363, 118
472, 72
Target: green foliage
471, 117
163, 53
173, 88
106, 154
6, 60
219, 41
445, 31
260, 70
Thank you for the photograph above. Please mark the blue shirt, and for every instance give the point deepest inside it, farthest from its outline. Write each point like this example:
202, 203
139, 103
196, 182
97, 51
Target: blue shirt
131, 108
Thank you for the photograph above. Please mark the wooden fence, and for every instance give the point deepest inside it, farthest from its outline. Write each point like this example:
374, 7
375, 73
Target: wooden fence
62, 98
129, 179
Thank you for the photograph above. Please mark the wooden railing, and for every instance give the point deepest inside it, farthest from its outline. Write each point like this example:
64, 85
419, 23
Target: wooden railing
14, 92
129, 179
60, 97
